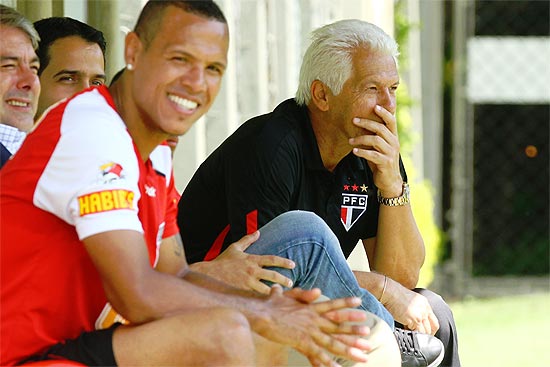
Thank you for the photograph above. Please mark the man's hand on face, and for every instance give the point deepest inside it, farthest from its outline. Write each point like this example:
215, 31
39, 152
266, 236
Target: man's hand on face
381, 150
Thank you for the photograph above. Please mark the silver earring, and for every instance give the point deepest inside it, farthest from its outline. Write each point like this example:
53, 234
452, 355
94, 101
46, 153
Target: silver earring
129, 66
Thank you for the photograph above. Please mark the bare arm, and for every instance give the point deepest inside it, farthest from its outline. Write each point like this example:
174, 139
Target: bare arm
140, 294
137, 291
171, 256
407, 307
172, 261
398, 250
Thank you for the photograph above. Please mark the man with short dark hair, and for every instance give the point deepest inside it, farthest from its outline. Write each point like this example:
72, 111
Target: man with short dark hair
101, 279
72, 58
19, 84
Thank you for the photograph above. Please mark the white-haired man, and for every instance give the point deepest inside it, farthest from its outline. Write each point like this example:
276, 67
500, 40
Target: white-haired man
332, 150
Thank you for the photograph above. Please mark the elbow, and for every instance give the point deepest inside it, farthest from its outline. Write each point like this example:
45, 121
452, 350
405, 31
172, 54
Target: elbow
410, 280
135, 305
137, 314
411, 273
407, 277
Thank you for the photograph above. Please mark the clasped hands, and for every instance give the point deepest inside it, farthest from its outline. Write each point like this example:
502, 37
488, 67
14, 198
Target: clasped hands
316, 329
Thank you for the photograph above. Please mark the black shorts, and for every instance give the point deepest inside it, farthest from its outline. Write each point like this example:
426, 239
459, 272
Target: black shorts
93, 348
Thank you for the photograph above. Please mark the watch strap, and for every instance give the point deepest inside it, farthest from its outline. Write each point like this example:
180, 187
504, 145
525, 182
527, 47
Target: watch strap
403, 199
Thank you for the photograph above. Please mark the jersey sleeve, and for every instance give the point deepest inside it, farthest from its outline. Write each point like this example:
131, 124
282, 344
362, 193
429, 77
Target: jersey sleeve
91, 179
161, 158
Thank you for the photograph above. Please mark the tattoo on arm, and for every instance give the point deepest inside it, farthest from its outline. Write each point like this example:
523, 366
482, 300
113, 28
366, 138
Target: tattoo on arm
178, 249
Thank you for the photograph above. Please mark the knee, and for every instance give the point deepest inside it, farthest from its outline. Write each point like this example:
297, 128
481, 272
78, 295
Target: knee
229, 335
303, 219
231, 328
309, 224
385, 351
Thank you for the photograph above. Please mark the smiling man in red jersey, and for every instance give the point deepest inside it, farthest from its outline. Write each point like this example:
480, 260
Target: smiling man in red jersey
91, 281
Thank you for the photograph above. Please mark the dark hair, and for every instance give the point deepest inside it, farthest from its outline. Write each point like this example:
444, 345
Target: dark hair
151, 15
54, 28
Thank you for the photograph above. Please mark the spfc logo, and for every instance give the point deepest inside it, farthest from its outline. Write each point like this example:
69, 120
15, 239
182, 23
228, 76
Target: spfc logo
353, 207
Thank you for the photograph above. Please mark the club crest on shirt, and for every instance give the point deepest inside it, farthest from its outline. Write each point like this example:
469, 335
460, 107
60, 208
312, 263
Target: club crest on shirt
354, 204
111, 171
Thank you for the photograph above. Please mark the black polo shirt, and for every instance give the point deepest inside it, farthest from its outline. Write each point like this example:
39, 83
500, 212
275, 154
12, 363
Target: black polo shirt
269, 166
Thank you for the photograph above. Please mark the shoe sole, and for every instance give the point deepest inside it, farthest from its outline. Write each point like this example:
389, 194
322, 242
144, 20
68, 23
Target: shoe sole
439, 358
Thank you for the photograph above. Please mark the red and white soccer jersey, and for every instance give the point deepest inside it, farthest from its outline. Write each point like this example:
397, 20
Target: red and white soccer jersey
77, 174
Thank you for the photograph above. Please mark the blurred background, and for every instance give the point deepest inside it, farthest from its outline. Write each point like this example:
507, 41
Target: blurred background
474, 119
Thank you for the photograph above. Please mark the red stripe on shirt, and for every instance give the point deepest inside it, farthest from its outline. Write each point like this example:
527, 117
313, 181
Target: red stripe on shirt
252, 222
217, 245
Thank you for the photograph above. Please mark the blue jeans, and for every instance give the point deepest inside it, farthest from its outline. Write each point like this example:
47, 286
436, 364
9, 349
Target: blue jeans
306, 239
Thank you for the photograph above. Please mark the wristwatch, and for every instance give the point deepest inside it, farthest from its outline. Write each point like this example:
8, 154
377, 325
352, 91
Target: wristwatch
404, 199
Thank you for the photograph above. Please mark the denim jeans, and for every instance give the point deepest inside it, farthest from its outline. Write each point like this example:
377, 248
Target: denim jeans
306, 239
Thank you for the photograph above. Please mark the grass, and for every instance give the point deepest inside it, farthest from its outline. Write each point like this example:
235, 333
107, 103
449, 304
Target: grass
509, 331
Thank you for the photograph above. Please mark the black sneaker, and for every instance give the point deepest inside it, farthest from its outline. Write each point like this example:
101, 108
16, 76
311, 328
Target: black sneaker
419, 350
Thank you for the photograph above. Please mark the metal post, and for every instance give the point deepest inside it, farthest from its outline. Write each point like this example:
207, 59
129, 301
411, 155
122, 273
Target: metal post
35, 9
58, 8
462, 175
104, 15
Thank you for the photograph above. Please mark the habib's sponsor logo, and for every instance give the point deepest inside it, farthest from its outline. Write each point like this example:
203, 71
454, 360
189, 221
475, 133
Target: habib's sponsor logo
104, 201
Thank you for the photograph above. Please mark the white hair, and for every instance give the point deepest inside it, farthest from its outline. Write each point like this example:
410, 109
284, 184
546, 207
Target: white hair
10, 17
328, 57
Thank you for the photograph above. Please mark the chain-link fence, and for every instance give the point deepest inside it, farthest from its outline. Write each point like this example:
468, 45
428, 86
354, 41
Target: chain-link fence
511, 189
508, 103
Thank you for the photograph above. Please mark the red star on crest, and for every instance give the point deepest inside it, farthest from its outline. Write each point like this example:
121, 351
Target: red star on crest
355, 187
346, 187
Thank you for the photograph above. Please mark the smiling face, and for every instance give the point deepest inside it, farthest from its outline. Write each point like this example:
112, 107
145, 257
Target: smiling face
176, 77
19, 85
74, 64
373, 81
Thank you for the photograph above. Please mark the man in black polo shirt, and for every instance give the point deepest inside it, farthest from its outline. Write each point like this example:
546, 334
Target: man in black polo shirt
332, 150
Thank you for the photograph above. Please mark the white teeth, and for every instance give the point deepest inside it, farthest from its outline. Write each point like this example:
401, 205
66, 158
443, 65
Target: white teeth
185, 103
18, 104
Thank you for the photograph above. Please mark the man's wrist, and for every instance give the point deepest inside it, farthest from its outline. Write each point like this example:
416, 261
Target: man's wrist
391, 191
384, 287
402, 199
200, 267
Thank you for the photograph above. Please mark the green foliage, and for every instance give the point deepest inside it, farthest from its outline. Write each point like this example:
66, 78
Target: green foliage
423, 206
422, 197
